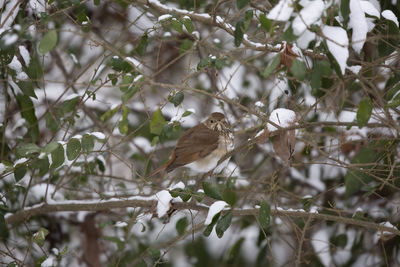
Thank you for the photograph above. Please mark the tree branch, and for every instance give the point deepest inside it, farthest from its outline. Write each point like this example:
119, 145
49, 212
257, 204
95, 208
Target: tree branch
208, 19
149, 203
76, 205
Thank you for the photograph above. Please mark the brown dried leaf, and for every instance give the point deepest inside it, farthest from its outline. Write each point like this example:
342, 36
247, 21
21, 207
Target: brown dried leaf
287, 55
284, 145
263, 136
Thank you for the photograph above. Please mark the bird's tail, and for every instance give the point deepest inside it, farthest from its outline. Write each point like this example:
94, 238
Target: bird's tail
161, 168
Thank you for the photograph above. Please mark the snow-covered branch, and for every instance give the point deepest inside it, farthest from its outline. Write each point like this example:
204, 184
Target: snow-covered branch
149, 204
214, 20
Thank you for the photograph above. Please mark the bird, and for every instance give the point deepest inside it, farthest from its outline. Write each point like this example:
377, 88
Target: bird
202, 146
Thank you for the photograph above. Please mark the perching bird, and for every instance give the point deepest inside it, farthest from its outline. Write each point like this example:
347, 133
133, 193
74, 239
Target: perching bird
202, 146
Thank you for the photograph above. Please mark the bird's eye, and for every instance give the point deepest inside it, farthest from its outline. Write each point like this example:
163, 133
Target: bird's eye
212, 121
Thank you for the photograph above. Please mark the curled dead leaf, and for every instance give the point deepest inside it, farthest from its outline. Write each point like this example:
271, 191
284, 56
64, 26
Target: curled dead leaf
263, 136
287, 55
283, 144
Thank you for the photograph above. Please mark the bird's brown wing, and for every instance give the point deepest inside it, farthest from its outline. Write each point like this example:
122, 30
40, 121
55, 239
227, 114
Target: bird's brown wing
195, 143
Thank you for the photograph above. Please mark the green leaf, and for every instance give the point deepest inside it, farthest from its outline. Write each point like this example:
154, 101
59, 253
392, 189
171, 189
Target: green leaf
229, 196
306, 203
248, 16
389, 33
185, 46
142, 45
371, 190
211, 191
340, 240
333, 60
392, 92
48, 42
289, 36
242, 3
70, 105
393, 96
354, 180
73, 148
181, 225
141, 263
157, 123
82, 17
50, 147
108, 114
131, 92
204, 62
154, 253
186, 113
188, 24
57, 157
127, 80
63, 251
184, 194
28, 113
223, 224
345, 9
43, 165
20, 171
218, 63
27, 108
264, 215
120, 65
370, 154
177, 98
265, 23
3, 227
51, 122
6, 55
209, 227
27, 149
34, 70
273, 64
100, 164
298, 69
168, 130
393, 104
123, 124
113, 78
239, 32
364, 111
234, 252
155, 140
321, 68
176, 25
27, 88
40, 236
